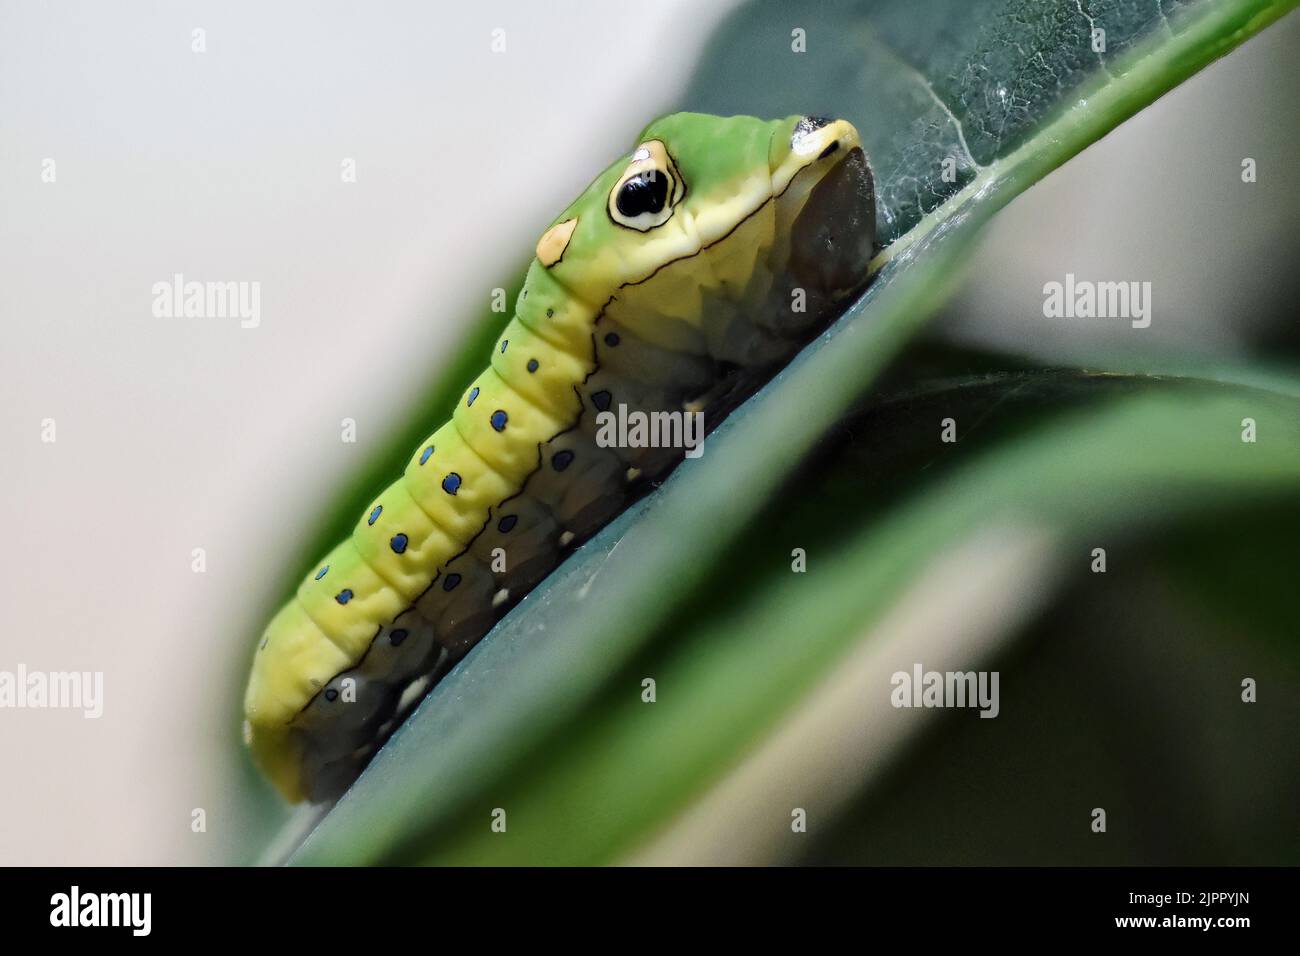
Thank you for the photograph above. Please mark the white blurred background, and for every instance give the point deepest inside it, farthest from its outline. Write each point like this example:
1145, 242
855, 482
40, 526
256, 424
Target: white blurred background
176, 434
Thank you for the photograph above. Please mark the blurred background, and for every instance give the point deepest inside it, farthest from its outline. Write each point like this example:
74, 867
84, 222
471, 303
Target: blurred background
179, 434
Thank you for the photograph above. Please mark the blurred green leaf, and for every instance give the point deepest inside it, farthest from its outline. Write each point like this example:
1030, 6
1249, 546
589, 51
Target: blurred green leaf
1076, 460
1029, 94
1124, 694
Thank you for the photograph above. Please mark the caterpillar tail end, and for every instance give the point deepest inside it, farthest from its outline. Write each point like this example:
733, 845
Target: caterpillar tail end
293, 661
277, 751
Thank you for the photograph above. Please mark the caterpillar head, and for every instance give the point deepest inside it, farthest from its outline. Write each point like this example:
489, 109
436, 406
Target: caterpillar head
693, 179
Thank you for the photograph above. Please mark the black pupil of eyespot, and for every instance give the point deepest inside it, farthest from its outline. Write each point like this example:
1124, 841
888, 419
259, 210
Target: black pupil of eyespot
644, 192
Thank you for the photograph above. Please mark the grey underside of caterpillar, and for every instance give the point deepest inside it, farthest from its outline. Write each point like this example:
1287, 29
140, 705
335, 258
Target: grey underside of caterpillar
805, 260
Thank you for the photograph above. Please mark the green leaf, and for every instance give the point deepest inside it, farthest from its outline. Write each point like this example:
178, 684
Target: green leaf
1012, 81
1075, 459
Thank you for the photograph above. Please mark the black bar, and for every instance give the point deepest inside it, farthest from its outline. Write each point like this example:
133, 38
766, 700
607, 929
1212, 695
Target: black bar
316, 907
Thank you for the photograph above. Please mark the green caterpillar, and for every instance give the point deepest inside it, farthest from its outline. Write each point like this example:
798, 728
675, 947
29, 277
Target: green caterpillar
684, 276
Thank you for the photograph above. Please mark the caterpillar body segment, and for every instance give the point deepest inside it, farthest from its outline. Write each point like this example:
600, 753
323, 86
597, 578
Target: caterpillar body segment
685, 274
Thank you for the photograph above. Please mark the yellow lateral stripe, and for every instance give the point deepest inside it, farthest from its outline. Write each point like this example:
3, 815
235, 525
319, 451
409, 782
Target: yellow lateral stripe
503, 429
350, 601
454, 486
401, 543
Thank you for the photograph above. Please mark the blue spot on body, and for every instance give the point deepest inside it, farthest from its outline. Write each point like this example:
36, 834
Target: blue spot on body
424, 455
600, 400
322, 572
562, 460
499, 419
450, 582
507, 524
532, 365
344, 596
611, 339
331, 695
398, 544
473, 394
374, 515
451, 484
396, 637
504, 343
